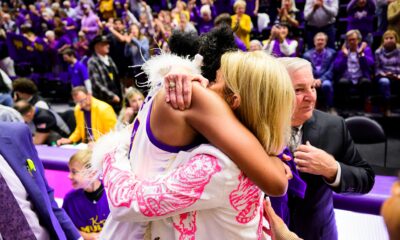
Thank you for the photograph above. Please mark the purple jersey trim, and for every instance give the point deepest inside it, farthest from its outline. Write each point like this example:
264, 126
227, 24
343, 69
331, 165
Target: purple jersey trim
160, 145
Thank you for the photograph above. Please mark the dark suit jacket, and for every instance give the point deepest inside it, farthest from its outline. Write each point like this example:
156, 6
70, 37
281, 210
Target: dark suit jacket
16, 147
313, 217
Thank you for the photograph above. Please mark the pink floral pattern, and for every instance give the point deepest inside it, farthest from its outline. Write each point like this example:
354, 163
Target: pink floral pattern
186, 226
176, 191
245, 199
119, 183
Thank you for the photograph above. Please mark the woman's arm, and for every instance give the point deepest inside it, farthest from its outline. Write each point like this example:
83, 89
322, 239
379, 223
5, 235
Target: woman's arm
213, 118
210, 116
169, 194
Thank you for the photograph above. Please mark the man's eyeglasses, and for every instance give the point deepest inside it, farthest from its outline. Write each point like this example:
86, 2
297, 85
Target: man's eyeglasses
81, 101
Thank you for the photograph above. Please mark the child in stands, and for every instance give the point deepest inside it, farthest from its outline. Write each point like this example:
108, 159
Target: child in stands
87, 204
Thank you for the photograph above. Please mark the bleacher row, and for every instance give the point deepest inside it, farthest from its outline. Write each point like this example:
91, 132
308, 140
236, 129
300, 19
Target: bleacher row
44, 65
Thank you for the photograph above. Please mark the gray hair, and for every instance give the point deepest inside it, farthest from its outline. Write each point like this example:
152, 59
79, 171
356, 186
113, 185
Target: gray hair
293, 64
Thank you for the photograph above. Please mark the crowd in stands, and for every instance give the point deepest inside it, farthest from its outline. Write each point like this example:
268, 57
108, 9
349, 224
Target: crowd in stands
102, 44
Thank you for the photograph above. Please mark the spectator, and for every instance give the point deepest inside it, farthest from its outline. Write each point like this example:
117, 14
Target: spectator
81, 46
106, 9
6, 63
117, 47
146, 20
94, 118
184, 25
77, 72
252, 7
180, 7
29, 210
278, 44
322, 58
90, 23
225, 19
381, 13
361, 15
326, 158
9, 114
255, 45
203, 18
5, 90
241, 22
133, 102
87, 204
7, 23
69, 26
353, 68
137, 46
393, 15
25, 89
103, 73
387, 67
320, 16
288, 13
62, 40
71, 12
48, 124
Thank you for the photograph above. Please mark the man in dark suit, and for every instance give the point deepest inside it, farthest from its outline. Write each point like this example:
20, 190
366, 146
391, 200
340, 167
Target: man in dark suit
27, 202
326, 157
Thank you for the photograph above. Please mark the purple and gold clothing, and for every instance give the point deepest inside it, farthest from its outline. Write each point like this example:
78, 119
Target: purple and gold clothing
88, 217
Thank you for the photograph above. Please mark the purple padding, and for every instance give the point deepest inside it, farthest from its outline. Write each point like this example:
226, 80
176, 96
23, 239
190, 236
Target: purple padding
368, 203
59, 181
55, 158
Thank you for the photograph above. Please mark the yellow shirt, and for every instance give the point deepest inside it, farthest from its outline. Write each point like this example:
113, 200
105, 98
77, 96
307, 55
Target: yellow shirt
244, 29
103, 119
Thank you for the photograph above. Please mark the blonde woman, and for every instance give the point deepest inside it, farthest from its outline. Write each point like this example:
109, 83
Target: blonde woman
387, 67
287, 13
133, 101
241, 22
171, 186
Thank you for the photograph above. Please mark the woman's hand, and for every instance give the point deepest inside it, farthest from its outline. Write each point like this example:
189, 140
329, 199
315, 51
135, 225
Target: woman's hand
178, 88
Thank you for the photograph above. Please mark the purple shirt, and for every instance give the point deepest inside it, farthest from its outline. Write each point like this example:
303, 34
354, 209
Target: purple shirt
318, 58
387, 61
240, 44
88, 217
78, 73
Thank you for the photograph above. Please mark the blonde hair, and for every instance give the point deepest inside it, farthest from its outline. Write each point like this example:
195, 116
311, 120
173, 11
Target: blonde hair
83, 157
131, 92
356, 32
293, 8
239, 3
266, 96
390, 32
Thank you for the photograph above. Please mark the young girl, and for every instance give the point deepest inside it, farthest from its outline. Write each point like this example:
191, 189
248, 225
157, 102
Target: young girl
87, 204
134, 100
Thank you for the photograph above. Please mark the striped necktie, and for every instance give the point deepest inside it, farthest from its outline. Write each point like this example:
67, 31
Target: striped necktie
294, 139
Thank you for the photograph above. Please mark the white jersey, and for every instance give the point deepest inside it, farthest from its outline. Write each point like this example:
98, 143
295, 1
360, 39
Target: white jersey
148, 158
176, 194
